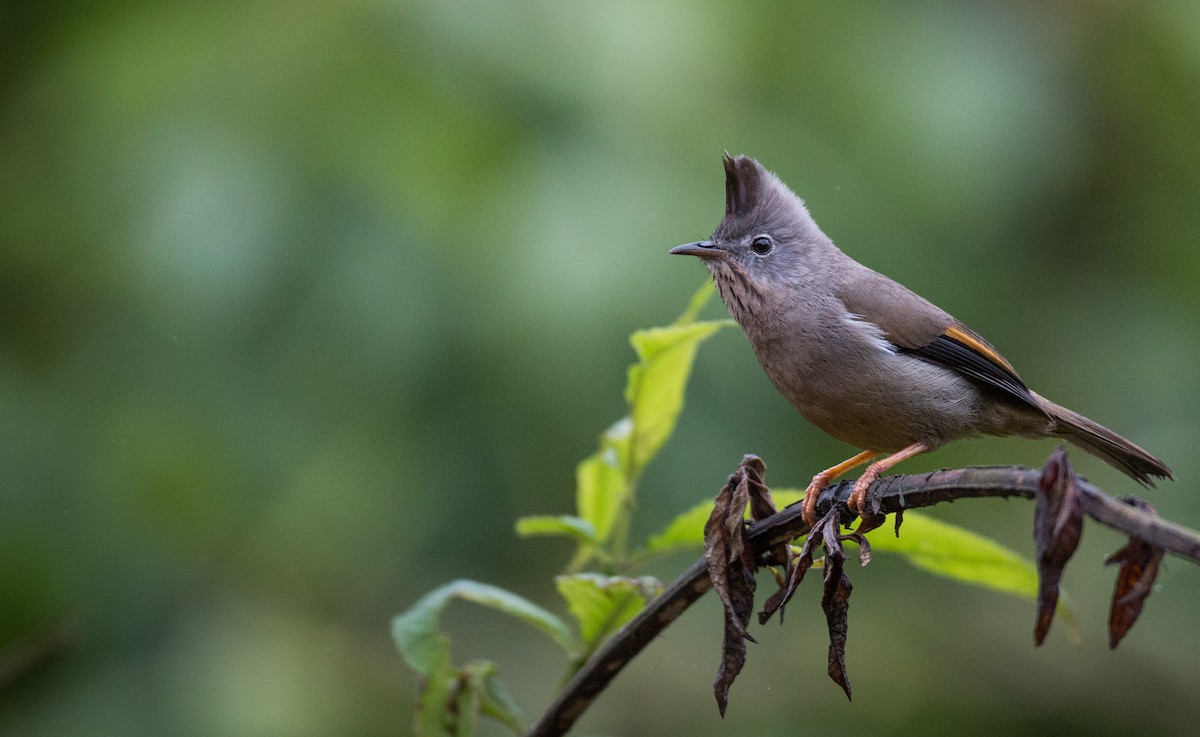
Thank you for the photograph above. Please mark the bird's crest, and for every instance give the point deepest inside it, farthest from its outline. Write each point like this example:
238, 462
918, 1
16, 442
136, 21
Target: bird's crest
755, 198
743, 184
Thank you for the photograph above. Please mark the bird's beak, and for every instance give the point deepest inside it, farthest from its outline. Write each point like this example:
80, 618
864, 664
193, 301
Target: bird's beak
704, 249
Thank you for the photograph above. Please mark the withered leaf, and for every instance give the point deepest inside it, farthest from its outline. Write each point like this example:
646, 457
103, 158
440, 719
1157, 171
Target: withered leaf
1057, 527
1135, 580
762, 505
836, 603
777, 600
825, 529
864, 545
731, 566
753, 470
835, 599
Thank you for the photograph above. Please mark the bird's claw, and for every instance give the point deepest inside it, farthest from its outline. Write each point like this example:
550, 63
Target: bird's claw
859, 502
808, 507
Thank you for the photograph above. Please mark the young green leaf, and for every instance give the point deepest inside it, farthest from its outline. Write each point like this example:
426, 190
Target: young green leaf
685, 532
655, 385
603, 604
656, 382
599, 488
953, 552
699, 298
564, 525
946, 550
490, 697
433, 716
424, 647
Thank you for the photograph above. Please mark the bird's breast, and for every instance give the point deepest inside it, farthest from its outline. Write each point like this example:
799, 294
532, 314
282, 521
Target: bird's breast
847, 379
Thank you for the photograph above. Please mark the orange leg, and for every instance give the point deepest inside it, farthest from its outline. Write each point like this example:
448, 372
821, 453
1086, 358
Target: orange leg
858, 497
820, 481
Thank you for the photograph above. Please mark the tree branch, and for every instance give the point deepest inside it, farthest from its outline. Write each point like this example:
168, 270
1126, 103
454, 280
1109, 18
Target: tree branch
895, 494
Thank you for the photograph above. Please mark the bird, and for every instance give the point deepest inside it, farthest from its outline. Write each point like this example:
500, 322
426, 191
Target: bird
862, 357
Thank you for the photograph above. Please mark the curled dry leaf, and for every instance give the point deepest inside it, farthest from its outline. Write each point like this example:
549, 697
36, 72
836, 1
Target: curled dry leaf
836, 603
835, 599
762, 505
864, 545
1057, 527
826, 526
731, 564
871, 519
1135, 580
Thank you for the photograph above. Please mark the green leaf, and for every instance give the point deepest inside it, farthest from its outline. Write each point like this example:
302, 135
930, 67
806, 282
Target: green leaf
424, 648
490, 697
602, 604
786, 497
564, 525
656, 383
953, 552
682, 533
686, 531
946, 550
433, 716
599, 488
699, 298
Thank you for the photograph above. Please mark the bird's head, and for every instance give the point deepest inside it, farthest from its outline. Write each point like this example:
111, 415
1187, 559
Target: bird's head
765, 244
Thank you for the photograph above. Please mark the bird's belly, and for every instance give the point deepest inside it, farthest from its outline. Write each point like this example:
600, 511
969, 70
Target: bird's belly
883, 405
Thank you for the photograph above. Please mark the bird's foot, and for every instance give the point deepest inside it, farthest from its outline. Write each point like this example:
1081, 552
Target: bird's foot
808, 507
858, 496
860, 499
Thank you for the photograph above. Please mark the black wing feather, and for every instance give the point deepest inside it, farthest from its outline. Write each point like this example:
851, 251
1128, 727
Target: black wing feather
957, 356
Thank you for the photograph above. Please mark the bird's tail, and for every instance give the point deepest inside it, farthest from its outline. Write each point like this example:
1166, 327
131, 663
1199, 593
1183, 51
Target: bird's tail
1106, 445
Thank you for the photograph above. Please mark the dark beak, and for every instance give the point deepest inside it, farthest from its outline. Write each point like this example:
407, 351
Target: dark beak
704, 249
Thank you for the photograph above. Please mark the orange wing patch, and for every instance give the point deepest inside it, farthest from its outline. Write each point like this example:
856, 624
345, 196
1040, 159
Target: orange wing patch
968, 337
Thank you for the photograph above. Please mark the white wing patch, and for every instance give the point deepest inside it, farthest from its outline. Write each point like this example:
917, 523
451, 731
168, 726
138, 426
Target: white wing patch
870, 332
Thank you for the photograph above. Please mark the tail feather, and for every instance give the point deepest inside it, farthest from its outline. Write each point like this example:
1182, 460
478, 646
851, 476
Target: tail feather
1116, 451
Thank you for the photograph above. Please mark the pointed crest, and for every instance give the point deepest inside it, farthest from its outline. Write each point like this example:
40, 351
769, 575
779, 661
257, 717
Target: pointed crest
743, 183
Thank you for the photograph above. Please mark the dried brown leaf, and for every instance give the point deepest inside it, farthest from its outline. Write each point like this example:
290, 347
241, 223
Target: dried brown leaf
1135, 580
1057, 528
762, 505
752, 470
835, 599
731, 566
864, 545
779, 599
836, 603
827, 526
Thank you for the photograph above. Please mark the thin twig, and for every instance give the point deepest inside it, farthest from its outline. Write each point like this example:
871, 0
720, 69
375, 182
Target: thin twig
895, 493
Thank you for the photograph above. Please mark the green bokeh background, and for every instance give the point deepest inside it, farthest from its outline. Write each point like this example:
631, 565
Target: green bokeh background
303, 303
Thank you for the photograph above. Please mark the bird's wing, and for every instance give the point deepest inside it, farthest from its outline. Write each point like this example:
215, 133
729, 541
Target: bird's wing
962, 349
920, 328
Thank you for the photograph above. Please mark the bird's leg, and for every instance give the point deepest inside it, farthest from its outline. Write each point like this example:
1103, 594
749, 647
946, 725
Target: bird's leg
820, 481
858, 497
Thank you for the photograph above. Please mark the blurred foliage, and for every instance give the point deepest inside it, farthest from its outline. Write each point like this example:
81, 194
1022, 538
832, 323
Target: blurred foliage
302, 304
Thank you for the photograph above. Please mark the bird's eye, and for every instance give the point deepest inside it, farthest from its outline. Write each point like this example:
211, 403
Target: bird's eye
761, 245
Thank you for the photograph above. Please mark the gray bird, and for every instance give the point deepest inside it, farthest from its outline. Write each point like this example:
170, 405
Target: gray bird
864, 358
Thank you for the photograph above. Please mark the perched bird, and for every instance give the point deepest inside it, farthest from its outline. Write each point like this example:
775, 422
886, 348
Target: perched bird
862, 357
